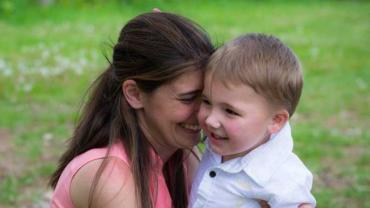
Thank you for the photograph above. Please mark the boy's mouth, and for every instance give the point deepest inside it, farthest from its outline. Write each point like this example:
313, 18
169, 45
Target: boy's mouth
213, 135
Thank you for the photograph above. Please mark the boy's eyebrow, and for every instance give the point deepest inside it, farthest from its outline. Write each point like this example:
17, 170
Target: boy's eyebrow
229, 106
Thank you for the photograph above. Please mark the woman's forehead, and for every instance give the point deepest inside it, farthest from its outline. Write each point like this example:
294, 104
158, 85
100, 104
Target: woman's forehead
187, 82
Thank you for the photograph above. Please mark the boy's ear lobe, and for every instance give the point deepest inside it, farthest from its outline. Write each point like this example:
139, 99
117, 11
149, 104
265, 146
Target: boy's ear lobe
132, 94
279, 120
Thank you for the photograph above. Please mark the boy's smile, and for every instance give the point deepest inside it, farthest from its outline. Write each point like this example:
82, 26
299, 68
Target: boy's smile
214, 136
217, 140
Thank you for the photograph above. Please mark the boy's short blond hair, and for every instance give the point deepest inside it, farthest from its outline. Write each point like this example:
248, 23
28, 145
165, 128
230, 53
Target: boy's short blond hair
263, 63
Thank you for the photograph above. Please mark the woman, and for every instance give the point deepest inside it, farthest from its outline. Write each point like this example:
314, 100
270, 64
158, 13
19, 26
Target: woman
131, 145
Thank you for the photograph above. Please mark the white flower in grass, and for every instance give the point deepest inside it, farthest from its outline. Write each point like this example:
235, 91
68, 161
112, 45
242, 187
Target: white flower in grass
21, 79
5, 69
56, 48
27, 87
22, 68
45, 54
361, 84
94, 55
7, 72
314, 52
89, 28
27, 49
353, 132
45, 72
41, 46
82, 61
62, 64
47, 137
334, 132
2, 64
78, 69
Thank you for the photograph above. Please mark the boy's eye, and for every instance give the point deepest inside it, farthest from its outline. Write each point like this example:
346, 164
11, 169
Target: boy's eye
205, 101
231, 112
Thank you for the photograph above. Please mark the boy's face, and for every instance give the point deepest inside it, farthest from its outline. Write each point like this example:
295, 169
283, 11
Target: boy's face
235, 118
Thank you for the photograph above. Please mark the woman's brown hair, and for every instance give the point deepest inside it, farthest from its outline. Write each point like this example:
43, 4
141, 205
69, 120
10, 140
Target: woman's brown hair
152, 49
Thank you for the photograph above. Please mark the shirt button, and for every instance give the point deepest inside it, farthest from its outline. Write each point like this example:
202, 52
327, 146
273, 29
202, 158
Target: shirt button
212, 174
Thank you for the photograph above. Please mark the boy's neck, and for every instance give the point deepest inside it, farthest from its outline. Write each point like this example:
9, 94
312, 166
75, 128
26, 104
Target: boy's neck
225, 158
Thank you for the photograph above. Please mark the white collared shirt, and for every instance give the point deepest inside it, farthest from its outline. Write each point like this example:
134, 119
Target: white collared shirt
271, 172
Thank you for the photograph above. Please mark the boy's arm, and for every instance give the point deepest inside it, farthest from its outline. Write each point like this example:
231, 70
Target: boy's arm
294, 195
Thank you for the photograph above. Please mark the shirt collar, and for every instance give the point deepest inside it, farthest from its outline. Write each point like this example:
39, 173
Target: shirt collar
261, 162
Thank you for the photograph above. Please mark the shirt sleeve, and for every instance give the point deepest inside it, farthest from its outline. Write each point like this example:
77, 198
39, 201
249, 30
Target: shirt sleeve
293, 193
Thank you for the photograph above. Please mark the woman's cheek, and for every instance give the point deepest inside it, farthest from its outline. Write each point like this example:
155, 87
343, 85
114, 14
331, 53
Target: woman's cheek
202, 115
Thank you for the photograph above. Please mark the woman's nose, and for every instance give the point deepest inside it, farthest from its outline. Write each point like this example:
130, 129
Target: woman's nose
197, 105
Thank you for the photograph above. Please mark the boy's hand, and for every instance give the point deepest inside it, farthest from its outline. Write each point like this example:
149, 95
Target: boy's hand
306, 206
156, 10
263, 204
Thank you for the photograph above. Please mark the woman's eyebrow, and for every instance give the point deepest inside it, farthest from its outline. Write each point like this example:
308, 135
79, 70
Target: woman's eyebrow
190, 93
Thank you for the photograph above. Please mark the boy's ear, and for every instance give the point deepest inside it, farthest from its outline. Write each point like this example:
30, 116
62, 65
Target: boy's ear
278, 120
132, 94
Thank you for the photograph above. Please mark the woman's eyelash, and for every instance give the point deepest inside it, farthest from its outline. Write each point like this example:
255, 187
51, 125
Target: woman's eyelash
188, 99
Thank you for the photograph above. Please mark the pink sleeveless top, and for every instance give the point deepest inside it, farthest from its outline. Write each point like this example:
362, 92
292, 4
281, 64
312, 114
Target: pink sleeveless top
61, 197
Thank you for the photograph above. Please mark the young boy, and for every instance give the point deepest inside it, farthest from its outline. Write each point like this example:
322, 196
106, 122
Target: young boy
252, 87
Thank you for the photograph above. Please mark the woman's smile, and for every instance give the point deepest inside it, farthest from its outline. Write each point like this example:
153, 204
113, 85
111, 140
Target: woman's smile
193, 127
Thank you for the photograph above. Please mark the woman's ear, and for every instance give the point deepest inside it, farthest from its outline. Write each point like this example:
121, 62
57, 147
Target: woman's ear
132, 94
278, 120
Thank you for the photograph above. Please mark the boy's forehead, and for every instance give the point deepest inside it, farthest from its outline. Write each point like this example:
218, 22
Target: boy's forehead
212, 77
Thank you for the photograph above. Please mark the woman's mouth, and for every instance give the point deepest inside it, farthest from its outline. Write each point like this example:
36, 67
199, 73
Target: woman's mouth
192, 127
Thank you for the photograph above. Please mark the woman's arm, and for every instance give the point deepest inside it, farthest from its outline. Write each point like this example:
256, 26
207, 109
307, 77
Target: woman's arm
115, 187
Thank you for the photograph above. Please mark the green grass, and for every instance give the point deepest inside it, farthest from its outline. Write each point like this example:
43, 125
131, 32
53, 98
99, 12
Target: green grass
49, 55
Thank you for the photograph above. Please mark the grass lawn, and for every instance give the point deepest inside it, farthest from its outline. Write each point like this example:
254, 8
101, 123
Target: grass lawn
50, 54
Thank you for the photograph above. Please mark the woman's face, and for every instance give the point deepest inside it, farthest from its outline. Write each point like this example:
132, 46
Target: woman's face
168, 117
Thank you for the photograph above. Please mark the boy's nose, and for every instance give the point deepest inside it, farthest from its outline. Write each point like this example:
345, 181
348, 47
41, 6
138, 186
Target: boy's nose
212, 121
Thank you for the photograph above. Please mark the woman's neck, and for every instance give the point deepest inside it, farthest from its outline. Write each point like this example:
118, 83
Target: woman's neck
163, 150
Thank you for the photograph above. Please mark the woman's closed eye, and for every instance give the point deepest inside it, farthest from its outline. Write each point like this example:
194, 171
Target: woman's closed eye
188, 99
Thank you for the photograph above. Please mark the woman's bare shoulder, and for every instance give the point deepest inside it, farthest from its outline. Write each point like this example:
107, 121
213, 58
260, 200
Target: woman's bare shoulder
114, 188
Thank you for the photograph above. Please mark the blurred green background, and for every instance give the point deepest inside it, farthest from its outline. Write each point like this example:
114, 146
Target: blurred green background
50, 51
